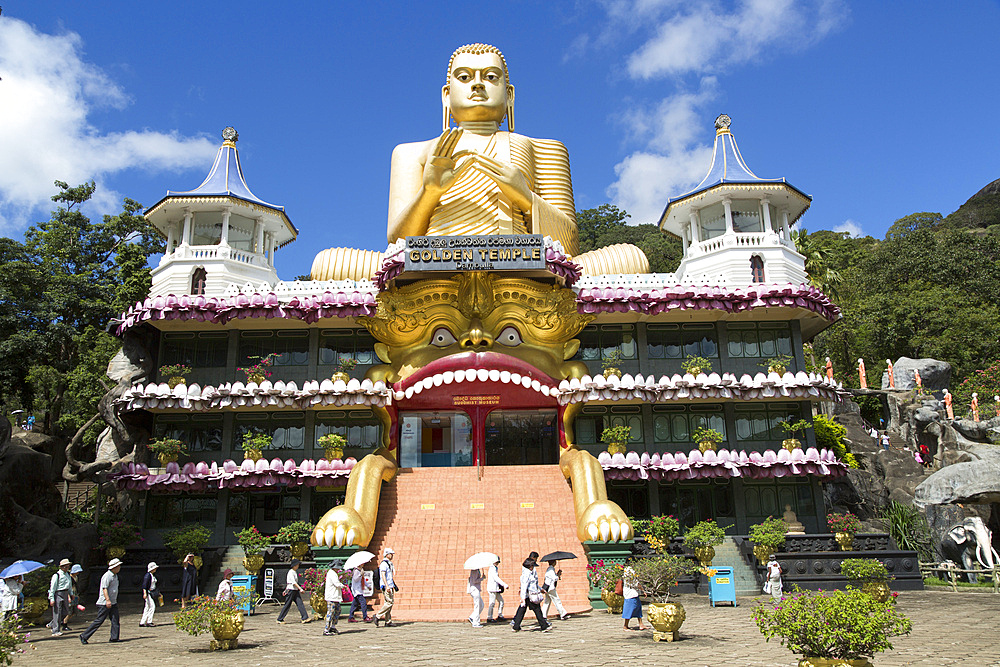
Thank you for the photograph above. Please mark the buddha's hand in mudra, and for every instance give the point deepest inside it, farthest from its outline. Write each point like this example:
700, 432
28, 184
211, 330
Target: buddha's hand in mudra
508, 178
445, 165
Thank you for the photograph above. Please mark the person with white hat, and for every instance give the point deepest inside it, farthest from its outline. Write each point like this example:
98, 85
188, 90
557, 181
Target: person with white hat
387, 584
495, 586
60, 592
149, 594
74, 600
107, 603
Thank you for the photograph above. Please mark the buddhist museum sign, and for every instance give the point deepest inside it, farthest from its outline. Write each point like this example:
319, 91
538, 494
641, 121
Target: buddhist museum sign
496, 252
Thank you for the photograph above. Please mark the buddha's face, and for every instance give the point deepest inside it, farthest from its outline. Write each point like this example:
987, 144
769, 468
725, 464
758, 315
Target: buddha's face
477, 88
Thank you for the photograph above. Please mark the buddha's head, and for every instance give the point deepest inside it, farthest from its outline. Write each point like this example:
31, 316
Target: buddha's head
477, 87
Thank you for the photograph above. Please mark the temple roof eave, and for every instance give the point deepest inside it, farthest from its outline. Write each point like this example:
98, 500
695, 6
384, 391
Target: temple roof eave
182, 200
794, 199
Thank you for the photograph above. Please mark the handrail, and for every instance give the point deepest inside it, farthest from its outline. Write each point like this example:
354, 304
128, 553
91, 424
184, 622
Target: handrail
953, 571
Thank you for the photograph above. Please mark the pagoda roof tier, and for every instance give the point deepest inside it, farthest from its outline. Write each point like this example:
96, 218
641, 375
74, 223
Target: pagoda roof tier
646, 295
721, 464
205, 475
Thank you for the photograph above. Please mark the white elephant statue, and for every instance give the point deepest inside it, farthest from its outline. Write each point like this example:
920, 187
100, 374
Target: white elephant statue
971, 543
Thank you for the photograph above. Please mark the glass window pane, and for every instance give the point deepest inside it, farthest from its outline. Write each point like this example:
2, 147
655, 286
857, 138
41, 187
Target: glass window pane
661, 429
750, 346
747, 216
679, 428
784, 342
735, 344
768, 346
713, 221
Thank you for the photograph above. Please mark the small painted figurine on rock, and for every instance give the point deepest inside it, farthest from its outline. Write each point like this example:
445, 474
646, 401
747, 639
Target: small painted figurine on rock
892, 376
975, 406
829, 369
947, 405
862, 374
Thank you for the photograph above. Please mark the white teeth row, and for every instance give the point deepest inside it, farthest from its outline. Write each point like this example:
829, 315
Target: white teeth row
280, 394
477, 375
334, 537
608, 530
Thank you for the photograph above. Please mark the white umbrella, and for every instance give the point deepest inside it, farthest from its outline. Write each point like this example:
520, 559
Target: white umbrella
480, 560
357, 559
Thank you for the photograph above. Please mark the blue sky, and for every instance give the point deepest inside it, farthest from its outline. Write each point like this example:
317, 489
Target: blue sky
876, 109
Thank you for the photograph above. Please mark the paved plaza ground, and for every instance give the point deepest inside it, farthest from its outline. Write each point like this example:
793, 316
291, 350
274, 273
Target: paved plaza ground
949, 629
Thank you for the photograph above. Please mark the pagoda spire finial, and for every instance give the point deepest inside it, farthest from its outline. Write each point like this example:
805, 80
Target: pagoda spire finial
230, 136
722, 124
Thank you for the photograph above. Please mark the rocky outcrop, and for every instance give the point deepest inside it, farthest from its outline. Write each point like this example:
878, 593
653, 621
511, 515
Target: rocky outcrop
935, 375
974, 480
52, 446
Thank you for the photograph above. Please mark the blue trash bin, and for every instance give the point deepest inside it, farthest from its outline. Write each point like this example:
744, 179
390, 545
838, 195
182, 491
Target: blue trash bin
245, 588
722, 586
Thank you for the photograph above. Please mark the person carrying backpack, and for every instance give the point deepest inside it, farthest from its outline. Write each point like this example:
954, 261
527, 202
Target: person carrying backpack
386, 584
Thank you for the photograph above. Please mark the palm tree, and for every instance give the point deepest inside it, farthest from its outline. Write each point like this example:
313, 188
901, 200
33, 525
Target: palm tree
821, 275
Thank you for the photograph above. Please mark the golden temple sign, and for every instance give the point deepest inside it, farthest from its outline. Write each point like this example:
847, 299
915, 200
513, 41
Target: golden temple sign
496, 252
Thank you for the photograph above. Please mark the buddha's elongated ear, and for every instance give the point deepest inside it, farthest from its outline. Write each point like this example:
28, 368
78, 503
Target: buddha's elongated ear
510, 108
445, 109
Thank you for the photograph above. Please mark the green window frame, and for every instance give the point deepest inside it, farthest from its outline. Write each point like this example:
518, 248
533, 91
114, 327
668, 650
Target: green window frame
288, 429
599, 341
590, 425
200, 433
207, 349
167, 510
338, 344
759, 340
676, 424
291, 347
760, 422
673, 341
361, 428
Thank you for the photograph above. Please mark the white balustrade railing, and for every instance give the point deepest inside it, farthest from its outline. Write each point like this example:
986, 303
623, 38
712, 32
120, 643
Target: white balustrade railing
203, 252
740, 240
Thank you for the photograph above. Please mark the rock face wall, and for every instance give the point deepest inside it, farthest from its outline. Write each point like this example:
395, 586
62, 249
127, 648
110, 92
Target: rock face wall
935, 375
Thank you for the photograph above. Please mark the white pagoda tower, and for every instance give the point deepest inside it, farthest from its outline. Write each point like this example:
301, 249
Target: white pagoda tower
734, 226
218, 234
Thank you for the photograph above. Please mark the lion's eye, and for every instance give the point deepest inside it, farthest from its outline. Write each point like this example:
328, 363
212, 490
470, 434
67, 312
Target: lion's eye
442, 338
509, 337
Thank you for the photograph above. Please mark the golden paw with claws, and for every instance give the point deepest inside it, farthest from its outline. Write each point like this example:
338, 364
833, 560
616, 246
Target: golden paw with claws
341, 527
604, 521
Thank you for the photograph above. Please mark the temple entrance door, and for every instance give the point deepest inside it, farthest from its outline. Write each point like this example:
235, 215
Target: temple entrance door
521, 437
440, 438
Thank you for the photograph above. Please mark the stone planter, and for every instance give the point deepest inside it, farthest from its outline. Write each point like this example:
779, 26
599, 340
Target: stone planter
666, 618
252, 454
318, 604
706, 446
334, 454
878, 590
616, 448
704, 555
226, 628
844, 540
343, 377
613, 600
761, 553
299, 549
174, 381
34, 609
253, 563
791, 444
834, 662
167, 458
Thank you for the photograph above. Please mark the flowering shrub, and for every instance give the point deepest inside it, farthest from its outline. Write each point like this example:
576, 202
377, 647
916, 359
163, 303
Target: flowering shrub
174, 370
167, 446
256, 441
296, 531
252, 540
864, 569
604, 575
260, 367
705, 534
196, 617
119, 534
661, 530
845, 625
985, 382
703, 434
616, 434
332, 441
657, 574
345, 364
187, 539
831, 435
694, 365
843, 523
769, 533
12, 643
313, 579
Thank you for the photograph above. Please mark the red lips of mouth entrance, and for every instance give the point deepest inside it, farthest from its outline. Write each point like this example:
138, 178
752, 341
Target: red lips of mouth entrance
475, 361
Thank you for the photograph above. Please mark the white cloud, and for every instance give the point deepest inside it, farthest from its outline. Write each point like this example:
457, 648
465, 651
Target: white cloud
851, 227
46, 95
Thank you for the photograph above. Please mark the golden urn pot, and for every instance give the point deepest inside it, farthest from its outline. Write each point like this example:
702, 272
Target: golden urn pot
343, 377
834, 662
704, 555
174, 381
844, 540
226, 627
318, 603
878, 590
114, 552
334, 454
706, 446
613, 600
611, 371
253, 454
791, 444
666, 618
253, 563
34, 609
167, 458
299, 549
616, 448
761, 553
256, 378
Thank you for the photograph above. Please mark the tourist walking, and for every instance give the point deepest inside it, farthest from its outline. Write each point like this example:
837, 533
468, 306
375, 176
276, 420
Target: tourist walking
552, 577
631, 608
189, 580
475, 589
495, 586
334, 595
293, 594
387, 584
531, 595
773, 585
74, 600
60, 593
360, 602
150, 591
10, 594
225, 590
107, 604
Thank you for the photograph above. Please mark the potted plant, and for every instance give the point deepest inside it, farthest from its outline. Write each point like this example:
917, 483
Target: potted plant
767, 537
254, 444
12, 640
868, 574
223, 618
167, 449
605, 576
610, 364
342, 367
118, 536
832, 629
707, 438
313, 581
36, 591
696, 365
844, 527
655, 576
333, 445
253, 543
190, 539
702, 538
297, 535
660, 531
258, 371
777, 364
175, 373
616, 437
794, 429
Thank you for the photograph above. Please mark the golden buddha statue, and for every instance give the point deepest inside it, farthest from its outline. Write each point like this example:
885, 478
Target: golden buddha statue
476, 179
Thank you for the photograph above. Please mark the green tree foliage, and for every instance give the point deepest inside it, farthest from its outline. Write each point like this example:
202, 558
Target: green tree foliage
607, 224
58, 293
